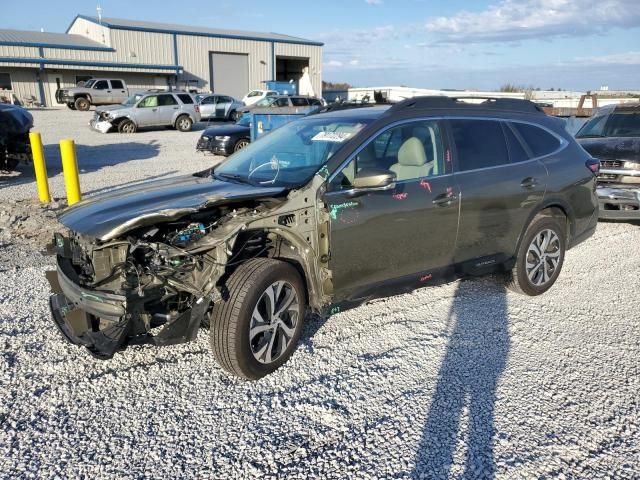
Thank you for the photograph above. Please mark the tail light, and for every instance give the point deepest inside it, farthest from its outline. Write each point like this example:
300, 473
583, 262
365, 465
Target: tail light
593, 165
197, 108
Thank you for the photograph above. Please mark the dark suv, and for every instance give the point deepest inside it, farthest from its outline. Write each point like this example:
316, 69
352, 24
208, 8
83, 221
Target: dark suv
320, 215
612, 136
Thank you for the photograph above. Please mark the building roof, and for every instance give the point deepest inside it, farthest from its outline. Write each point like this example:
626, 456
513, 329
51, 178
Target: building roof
124, 24
26, 38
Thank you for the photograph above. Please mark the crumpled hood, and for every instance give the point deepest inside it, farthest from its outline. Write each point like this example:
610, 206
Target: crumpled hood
111, 108
612, 148
111, 214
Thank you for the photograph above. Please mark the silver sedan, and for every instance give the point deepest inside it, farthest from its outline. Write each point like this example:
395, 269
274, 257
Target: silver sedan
222, 107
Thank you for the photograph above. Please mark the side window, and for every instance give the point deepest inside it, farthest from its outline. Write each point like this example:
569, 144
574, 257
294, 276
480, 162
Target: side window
412, 151
299, 102
282, 102
101, 85
315, 101
117, 85
540, 141
517, 152
272, 94
149, 102
208, 100
166, 100
479, 144
226, 99
185, 98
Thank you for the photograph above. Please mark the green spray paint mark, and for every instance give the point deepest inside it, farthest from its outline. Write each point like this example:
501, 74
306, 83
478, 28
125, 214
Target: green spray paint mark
324, 172
334, 310
333, 212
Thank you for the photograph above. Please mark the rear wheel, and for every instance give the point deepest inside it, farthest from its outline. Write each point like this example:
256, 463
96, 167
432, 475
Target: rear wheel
256, 328
82, 104
540, 256
184, 123
127, 126
240, 144
234, 116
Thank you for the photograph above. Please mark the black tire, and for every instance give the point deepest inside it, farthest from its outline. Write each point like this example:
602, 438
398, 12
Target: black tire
519, 279
82, 104
71, 106
234, 115
127, 126
231, 318
240, 144
184, 123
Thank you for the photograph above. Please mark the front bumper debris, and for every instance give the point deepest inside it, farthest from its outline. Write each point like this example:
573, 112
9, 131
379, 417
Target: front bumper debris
618, 202
101, 126
106, 322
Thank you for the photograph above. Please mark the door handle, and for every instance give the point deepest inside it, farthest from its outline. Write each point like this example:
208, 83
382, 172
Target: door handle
445, 199
176, 108
108, 91
154, 109
529, 182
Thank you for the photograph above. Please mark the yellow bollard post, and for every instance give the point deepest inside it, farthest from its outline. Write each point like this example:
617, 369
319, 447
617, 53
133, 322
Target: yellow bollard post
40, 167
70, 170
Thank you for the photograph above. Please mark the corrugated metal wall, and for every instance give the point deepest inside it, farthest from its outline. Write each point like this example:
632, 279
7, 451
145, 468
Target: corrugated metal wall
97, 33
23, 81
193, 54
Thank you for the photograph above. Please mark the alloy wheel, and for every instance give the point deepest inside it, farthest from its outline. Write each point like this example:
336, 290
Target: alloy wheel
273, 322
543, 256
241, 144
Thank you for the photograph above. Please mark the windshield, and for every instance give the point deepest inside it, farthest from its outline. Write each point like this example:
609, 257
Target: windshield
290, 155
265, 102
132, 100
619, 123
89, 83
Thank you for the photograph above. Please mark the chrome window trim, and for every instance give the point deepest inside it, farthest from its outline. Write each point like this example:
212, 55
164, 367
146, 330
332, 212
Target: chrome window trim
563, 142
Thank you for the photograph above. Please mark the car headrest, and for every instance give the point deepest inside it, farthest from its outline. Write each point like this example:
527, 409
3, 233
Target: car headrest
412, 153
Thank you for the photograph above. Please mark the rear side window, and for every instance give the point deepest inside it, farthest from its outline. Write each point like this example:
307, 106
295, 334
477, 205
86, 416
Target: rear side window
517, 153
186, 99
166, 100
479, 144
282, 102
540, 141
299, 102
117, 84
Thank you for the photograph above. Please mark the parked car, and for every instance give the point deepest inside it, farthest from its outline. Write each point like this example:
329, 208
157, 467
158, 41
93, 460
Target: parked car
282, 101
222, 107
15, 124
255, 95
168, 109
612, 136
97, 91
321, 215
227, 139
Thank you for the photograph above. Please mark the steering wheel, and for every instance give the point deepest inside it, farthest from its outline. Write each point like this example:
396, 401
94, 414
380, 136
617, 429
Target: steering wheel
269, 163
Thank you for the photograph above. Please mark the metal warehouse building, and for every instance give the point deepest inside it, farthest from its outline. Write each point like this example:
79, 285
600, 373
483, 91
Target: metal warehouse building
151, 55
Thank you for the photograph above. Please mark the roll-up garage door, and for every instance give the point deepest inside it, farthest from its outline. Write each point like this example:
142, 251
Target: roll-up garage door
230, 74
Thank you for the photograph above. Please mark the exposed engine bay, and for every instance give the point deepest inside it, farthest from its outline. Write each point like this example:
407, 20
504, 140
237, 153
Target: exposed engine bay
15, 123
157, 283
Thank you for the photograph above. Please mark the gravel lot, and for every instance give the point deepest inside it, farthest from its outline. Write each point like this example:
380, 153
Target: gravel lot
459, 381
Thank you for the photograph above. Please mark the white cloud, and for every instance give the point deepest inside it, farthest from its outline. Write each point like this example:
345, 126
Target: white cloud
334, 63
511, 20
373, 2
626, 58
354, 62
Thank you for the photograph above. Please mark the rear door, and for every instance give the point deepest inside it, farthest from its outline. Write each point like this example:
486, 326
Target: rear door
168, 107
403, 235
223, 106
118, 91
500, 185
208, 107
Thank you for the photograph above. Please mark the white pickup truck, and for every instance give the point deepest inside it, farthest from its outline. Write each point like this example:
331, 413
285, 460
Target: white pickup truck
96, 91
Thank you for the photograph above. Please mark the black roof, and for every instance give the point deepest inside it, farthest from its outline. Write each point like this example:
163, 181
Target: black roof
462, 103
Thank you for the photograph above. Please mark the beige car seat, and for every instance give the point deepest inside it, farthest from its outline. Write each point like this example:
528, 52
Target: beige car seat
412, 161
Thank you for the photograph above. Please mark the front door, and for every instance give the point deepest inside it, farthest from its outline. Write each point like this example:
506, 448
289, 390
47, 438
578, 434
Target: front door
403, 235
147, 111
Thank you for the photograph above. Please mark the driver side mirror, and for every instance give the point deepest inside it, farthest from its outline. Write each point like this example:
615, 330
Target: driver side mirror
373, 179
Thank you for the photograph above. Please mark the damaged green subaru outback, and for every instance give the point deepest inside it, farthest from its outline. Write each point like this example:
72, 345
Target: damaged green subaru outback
321, 215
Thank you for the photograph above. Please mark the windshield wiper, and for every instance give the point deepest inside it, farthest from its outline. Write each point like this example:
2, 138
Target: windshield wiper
234, 177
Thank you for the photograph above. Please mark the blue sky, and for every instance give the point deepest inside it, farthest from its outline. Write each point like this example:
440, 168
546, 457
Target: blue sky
570, 44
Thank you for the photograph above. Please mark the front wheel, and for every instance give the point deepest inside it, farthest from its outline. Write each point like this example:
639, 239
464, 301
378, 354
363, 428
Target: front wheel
256, 326
82, 104
240, 144
127, 126
540, 257
183, 123
71, 106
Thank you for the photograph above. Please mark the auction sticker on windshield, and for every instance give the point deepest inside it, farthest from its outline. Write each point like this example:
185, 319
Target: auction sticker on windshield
332, 136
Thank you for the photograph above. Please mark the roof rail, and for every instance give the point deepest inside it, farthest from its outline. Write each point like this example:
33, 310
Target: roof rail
442, 102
